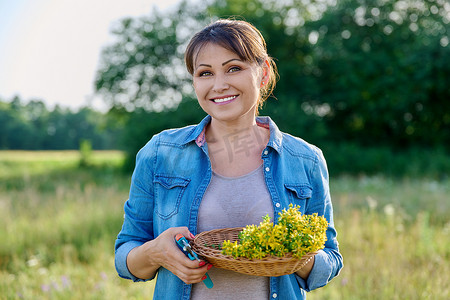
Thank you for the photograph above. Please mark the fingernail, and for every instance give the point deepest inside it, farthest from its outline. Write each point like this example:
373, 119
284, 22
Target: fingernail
201, 264
209, 267
192, 236
204, 277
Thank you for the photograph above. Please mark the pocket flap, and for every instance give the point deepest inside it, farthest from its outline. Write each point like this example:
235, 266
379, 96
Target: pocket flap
301, 191
171, 181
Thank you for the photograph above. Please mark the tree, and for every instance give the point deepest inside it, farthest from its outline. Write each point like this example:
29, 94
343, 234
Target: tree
14, 128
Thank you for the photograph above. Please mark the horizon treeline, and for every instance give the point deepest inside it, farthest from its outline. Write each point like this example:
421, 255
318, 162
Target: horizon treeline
31, 125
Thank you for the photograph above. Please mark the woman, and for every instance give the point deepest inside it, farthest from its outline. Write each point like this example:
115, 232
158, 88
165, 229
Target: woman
230, 170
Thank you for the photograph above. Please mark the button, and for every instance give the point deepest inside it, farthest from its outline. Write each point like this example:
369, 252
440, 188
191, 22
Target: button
266, 152
267, 169
277, 204
274, 295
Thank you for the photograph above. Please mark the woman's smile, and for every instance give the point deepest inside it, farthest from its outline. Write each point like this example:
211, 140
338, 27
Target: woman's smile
224, 100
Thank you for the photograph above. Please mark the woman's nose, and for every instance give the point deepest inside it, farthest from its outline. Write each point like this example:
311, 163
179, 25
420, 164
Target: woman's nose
220, 84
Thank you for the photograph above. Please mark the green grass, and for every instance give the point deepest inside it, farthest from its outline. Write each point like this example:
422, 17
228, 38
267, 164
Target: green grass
58, 223
395, 239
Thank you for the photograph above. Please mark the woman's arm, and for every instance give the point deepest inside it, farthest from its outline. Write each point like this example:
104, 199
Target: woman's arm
138, 252
327, 263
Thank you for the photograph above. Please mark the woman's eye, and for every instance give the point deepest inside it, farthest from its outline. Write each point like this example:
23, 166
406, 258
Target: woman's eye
204, 73
234, 69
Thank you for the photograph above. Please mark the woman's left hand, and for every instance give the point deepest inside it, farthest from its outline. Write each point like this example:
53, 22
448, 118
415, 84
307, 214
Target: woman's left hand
304, 272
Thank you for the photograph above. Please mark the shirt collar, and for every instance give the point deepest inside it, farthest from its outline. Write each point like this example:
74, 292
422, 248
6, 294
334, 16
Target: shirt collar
276, 137
198, 132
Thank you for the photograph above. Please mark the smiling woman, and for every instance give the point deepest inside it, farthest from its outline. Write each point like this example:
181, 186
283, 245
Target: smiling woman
228, 171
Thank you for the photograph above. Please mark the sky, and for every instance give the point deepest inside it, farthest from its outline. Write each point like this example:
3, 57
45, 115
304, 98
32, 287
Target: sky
50, 49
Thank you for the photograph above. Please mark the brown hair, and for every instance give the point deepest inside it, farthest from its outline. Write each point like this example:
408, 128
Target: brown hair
239, 37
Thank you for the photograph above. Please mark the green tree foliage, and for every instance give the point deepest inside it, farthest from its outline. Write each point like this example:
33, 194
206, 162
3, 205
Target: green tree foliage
383, 69
32, 126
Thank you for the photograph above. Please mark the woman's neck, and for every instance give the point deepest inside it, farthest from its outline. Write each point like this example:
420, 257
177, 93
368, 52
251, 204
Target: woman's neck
235, 151
218, 131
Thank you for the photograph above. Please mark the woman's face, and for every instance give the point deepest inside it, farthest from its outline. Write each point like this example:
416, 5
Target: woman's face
227, 88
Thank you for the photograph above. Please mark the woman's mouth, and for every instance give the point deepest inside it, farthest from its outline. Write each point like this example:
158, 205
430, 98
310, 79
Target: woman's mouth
224, 100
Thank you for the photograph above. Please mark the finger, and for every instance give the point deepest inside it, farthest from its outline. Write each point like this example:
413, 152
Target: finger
190, 276
186, 233
192, 272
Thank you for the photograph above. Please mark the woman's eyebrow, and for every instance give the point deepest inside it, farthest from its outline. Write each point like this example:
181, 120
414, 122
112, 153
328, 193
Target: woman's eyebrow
223, 64
230, 60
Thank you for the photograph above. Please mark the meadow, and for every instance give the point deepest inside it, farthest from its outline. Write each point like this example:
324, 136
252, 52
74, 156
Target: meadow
58, 223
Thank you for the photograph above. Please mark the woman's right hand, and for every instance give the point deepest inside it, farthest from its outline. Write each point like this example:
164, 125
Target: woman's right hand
144, 261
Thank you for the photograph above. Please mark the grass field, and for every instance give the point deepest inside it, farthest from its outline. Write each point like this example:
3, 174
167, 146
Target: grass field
58, 224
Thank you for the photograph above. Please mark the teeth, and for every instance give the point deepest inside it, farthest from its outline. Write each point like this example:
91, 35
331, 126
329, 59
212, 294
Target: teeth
224, 99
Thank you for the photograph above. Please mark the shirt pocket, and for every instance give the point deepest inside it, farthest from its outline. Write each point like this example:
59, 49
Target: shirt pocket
168, 193
299, 194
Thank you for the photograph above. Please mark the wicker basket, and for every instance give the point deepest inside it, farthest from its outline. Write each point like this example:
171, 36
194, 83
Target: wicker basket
268, 266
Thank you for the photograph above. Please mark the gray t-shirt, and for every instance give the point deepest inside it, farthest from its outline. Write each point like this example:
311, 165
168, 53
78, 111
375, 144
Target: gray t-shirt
234, 202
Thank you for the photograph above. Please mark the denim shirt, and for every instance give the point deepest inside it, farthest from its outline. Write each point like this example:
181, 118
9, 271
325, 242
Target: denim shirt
172, 173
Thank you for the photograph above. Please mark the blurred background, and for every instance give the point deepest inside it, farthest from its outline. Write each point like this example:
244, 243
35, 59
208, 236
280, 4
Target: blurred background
85, 84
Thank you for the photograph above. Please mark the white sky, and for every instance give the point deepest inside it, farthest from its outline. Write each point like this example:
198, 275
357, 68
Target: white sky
49, 49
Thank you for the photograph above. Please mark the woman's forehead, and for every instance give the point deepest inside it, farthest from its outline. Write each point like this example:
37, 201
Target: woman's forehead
207, 48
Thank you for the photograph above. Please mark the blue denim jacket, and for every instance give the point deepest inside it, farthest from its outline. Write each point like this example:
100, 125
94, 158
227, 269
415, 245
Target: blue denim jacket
171, 176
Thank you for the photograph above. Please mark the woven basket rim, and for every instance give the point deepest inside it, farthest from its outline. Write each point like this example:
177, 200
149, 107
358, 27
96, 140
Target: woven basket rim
266, 266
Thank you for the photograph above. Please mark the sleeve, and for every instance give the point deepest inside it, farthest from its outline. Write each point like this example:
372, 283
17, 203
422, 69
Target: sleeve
137, 225
328, 262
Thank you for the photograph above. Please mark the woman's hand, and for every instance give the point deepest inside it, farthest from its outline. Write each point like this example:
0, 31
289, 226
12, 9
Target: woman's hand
144, 261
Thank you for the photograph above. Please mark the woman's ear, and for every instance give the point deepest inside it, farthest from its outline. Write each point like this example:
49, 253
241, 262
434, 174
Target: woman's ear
265, 73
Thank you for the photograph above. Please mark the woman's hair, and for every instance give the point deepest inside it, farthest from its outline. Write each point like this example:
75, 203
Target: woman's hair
239, 37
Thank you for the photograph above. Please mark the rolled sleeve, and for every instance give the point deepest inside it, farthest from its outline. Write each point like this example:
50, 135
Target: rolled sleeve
121, 260
327, 262
326, 267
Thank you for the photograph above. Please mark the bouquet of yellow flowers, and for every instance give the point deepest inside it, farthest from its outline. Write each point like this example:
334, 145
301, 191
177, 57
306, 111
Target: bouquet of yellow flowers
294, 233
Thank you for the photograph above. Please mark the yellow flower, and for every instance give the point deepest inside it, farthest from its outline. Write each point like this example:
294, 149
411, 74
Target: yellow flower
294, 233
